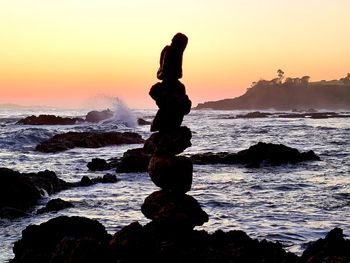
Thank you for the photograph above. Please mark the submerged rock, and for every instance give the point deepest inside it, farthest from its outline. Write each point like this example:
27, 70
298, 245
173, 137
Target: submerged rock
55, 205
69, 140
49, 120
269, 153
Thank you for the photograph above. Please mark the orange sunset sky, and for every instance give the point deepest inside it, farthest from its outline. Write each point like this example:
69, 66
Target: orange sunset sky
65, 52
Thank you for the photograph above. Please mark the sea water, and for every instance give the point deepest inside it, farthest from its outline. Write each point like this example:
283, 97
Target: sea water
292, 204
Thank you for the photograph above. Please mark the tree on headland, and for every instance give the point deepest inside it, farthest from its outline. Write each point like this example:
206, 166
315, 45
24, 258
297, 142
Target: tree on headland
346, 80
280, 74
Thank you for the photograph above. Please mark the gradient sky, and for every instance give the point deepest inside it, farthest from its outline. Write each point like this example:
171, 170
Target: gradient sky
66, 52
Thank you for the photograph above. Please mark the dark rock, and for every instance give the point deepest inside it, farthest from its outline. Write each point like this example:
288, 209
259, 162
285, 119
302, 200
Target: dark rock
106, 179
141, 122
254, 114
97, 116
333, 248
134, 160
175, 211
20, 191
170, 67
173, 103
171, 173
169, 143
55, 205
44, 243
86, 181
11, 212
109, 178
65, 141
273, 154
49, 120
98, 164
16, 190
81, 250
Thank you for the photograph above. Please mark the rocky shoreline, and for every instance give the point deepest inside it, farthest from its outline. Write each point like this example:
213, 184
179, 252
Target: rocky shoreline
19, 192
78, 240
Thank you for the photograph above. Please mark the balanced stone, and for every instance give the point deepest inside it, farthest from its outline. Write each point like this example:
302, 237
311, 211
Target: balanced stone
171, 173
174, 210
169, 143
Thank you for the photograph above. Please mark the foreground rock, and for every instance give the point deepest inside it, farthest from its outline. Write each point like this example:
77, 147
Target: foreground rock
49, 120
269, 153
77, 239
70, 140
21, 191
62, 239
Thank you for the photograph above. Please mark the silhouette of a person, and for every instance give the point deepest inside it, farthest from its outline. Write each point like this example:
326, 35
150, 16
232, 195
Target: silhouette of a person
171, 59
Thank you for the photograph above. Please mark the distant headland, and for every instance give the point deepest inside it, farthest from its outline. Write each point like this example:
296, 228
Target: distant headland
287, 94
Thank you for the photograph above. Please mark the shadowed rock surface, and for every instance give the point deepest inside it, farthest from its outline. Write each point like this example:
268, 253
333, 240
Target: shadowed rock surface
21, 191
169, 143
97, 116
49, 120
173, 174
70, 140
272, 154
98, 164
52, 241
133, 161
77, 240
55, 205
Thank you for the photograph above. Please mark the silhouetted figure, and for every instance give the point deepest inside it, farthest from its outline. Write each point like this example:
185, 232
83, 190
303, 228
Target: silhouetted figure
171, 58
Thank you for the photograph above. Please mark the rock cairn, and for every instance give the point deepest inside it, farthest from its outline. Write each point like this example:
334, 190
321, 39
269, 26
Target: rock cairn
171, 208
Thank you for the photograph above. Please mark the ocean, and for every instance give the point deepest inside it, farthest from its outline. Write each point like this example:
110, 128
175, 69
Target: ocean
293, 204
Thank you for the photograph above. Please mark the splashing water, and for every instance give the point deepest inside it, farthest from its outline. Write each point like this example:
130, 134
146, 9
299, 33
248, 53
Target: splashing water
122, 113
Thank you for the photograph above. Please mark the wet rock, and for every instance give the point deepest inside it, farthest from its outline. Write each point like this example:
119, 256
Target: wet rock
55, 205
109, 178
20, 191
86, 181
133, 160
179, 211
173, 103
141, 122
170, 143
267, 153
98, 164
97, 116
171, 173
106, 179
43, 243
254, 114
11, 212
49, 120
333, 248
66, 141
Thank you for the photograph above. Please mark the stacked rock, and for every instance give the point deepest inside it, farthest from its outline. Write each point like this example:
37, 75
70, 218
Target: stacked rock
171, 208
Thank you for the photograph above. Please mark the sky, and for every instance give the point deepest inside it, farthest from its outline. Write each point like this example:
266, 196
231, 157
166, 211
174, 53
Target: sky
67, 53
